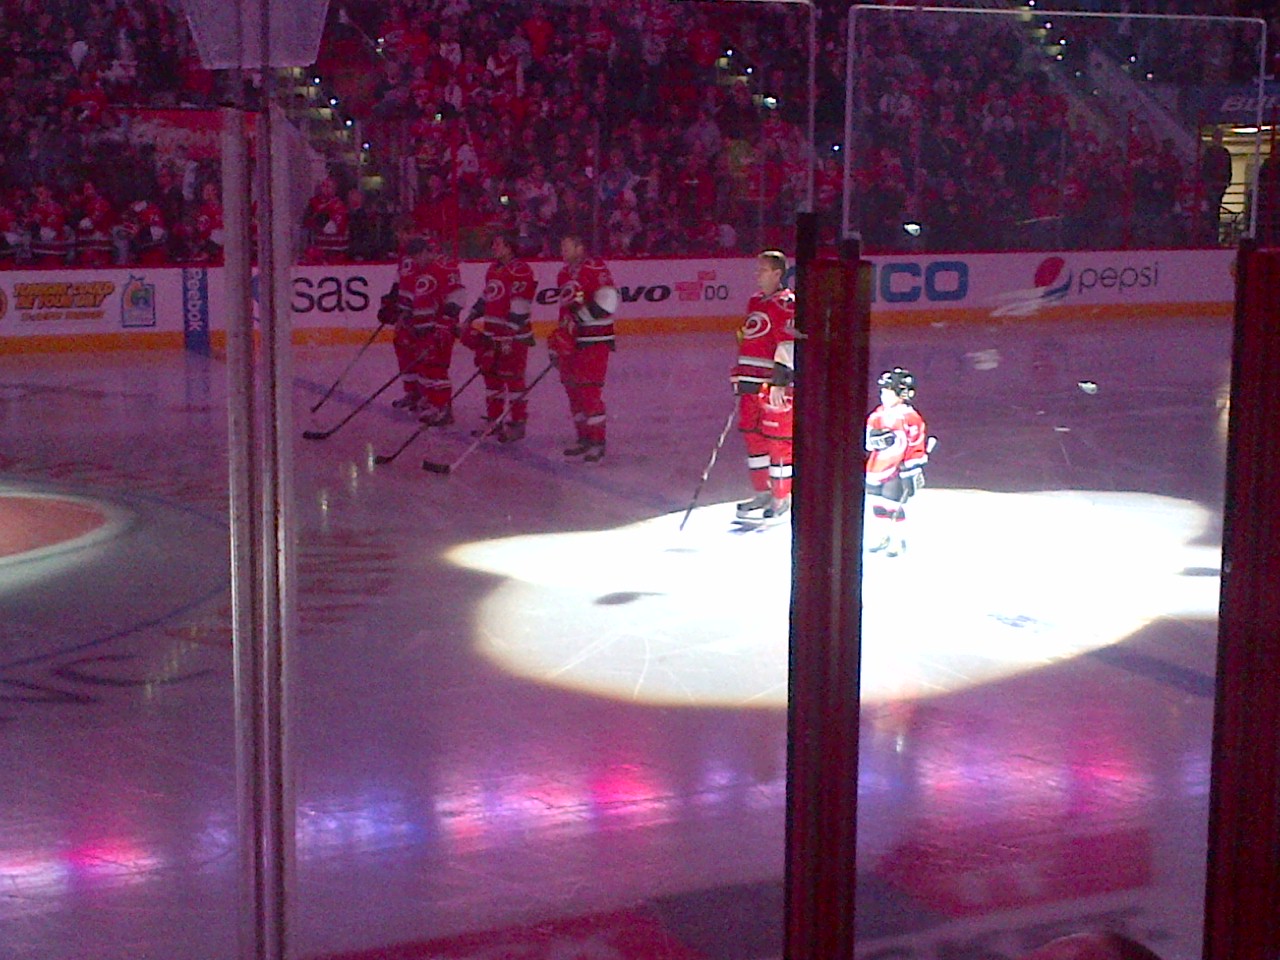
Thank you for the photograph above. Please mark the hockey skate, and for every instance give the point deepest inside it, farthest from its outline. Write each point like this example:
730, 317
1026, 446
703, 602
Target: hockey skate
595, 454
405, 403
760, 501
484, 429
578, 449
510, 432
436, 417
776, 510
890, 546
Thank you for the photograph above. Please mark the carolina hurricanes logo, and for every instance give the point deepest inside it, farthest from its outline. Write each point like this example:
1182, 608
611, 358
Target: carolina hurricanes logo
756, 325
494, 289
426, 284
569, 292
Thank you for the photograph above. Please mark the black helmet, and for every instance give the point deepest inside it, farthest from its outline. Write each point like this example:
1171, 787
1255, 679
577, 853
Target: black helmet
900, 381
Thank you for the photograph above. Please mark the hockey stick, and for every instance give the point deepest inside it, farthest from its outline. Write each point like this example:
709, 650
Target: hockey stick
325, 434
389, 457
728, 425
447, 468
342, 376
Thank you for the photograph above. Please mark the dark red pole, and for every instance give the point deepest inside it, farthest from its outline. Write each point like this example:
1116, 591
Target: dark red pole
826, 610
1242, 905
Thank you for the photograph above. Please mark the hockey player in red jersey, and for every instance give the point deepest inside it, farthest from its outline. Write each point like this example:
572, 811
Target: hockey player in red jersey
582, 341
423, 305
897, 445
769, 321
438, 298
396, 311
498, 330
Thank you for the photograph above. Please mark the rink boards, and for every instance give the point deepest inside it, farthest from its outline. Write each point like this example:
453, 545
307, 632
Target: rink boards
130, 308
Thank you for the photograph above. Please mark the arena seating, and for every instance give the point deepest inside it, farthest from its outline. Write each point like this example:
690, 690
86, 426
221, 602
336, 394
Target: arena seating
648, 127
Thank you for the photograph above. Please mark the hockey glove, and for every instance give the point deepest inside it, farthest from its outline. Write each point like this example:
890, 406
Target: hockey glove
389, 307
879, 439
912, 480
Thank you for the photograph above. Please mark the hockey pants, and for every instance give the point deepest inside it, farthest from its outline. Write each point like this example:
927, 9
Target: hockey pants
503, 368
582, 371
424, 362
776, 429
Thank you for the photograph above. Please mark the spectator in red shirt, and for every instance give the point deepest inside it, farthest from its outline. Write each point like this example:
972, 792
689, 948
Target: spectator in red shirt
327, 219
437, 211
416, 46
596, 44
704, 45
145, 234
94, 218
208, 234
503, 65
540, 31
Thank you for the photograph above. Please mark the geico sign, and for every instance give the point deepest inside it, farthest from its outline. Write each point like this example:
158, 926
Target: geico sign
908, 282
330, 294
550, 296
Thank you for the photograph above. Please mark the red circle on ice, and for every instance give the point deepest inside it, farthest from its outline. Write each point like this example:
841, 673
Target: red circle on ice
1049, 271
37, 523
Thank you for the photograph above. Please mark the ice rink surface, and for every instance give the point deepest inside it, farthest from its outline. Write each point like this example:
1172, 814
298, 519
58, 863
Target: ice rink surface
525, 701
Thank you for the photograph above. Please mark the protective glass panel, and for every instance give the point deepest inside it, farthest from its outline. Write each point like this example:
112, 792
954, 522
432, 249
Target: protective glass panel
231, 35
1048, 200
529, 715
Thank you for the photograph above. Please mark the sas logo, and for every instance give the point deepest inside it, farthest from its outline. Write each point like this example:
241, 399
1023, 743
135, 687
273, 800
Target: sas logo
138, 303
1052, 282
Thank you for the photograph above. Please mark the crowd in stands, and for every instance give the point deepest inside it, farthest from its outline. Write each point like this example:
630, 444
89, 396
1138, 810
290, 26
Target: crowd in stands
611, 120
649, 127
966, 143
78, 185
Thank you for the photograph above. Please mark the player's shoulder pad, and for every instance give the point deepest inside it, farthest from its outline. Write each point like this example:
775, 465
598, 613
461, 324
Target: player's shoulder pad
599, 268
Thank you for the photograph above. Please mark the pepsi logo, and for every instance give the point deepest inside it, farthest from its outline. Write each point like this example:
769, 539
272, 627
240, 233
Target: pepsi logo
1049, 270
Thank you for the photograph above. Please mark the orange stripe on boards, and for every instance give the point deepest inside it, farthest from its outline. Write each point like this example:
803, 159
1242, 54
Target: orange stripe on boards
91, 342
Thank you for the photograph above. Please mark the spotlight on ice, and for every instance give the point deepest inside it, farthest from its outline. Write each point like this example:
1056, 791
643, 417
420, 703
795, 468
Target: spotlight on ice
647, 613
